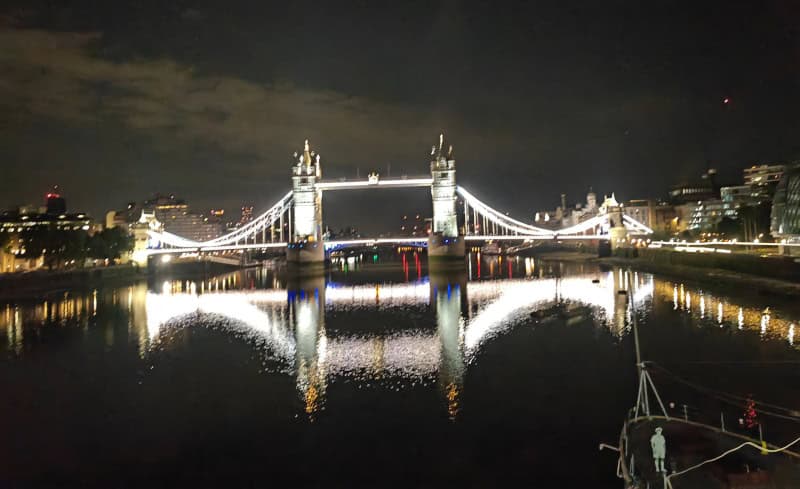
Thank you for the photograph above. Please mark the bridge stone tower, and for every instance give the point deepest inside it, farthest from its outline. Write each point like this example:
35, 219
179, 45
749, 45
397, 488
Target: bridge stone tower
305, 245
617, 233
444, 243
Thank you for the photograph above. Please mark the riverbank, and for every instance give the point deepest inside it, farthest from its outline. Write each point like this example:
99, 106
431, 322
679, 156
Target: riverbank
704, 275
42, 283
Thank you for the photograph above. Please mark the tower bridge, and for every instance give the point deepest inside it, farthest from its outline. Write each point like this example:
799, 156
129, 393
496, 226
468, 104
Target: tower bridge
295, 222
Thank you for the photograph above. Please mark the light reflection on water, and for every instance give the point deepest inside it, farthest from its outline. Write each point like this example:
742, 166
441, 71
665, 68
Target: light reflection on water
289, 324
364, 358
728, 313
286, 322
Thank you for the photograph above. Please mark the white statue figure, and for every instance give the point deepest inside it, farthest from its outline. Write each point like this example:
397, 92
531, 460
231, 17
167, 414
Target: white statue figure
659, 446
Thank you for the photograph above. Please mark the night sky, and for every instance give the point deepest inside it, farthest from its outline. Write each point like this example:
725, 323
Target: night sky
115, 101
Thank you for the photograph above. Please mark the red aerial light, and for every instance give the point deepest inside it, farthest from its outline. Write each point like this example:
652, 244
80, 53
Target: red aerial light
726, 100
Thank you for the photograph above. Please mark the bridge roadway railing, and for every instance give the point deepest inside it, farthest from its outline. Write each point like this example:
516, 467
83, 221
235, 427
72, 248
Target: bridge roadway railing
421, 242
502, 226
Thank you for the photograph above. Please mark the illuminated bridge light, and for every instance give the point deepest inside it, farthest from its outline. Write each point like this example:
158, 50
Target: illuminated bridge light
502, 226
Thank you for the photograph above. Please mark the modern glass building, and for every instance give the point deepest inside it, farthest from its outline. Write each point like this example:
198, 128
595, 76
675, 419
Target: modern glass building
785, 218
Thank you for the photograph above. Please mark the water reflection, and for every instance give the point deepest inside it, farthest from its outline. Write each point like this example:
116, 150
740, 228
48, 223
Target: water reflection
766, 321
286, 321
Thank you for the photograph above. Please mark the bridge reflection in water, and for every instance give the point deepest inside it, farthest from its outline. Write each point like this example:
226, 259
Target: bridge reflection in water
286, 322
289, 323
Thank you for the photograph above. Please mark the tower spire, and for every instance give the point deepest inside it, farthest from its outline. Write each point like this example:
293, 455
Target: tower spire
306, 155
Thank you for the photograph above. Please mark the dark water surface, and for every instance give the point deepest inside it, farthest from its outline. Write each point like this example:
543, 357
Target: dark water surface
374, 376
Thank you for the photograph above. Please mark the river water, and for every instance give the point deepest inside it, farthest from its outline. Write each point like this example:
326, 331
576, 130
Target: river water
378, 375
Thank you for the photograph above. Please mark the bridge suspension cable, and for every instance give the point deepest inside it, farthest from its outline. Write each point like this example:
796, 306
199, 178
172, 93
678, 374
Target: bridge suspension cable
497, 218
483, 220
251, 230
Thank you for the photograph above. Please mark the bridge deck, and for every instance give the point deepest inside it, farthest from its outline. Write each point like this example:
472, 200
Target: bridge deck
690, 443
380, 183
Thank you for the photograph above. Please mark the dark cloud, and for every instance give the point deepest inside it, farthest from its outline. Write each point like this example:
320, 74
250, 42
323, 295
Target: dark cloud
252, 127
117, 100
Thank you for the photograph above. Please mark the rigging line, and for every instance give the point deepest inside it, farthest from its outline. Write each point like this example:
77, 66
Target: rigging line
747, 443
715, 391
760, 411
740, 362
731, 398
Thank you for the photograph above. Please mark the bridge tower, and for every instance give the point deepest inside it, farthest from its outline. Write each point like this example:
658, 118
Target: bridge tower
305, 245
617, 233
444, 243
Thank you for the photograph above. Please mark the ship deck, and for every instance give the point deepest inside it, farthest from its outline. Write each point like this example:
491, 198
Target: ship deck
690, 443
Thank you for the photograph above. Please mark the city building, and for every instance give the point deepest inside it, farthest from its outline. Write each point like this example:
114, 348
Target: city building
124, 217
12, 221
177, 218
247, 215
564, 216
737, 196
763, 179
15, 222
171, 214
683, 216
414, 225
55, 203
785, 217
7, 260
658, 216
706, 214
692, 191
758, 188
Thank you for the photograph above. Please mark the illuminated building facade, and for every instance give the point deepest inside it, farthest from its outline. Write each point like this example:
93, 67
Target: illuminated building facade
659, 216
708, 213
177, 218
691, 192
15, 222
737, 196
247, 214
124, 217
760, 182
705, 188
785, 217
763, 179
564, 216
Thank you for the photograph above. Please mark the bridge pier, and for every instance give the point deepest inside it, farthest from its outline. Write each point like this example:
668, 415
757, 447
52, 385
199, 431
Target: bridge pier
444, 251
446, 248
